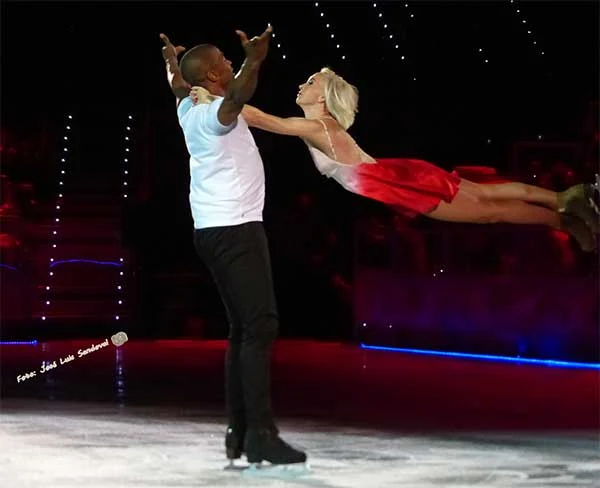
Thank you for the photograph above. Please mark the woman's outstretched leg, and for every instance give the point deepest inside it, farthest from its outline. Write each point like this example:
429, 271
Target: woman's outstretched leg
467, 207
576, 200
513, 191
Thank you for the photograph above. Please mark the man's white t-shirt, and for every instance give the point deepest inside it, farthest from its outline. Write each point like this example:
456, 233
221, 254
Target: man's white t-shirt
227, 179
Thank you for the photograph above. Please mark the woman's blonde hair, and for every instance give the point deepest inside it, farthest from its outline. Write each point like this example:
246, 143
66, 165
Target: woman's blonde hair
341, 98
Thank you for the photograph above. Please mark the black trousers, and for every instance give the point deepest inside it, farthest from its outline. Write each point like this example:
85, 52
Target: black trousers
238, 258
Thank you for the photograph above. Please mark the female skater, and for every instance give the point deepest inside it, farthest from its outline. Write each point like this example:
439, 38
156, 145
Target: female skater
413, 186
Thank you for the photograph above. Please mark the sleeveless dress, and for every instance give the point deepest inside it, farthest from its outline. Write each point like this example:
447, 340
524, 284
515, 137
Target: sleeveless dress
410, 186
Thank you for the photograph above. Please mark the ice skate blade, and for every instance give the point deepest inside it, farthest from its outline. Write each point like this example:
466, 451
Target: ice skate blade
235, 467
276, 470
594, 206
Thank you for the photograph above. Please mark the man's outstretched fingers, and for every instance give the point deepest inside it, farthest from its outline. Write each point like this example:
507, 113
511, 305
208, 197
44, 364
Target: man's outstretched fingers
268, 30
242, 35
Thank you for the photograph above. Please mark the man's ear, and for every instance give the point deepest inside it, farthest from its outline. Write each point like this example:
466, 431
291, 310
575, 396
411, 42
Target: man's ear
212, 76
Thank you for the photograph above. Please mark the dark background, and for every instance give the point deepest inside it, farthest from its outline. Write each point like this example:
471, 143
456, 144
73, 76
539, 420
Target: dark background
444, 103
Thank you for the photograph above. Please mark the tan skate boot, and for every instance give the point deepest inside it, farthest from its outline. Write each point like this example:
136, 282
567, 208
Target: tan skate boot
578, 201
579, 231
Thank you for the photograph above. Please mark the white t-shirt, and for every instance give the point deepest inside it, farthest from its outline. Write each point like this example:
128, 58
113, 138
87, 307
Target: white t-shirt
227, 178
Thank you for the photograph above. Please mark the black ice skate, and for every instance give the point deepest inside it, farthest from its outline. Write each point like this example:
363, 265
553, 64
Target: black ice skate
266, 445
234, 441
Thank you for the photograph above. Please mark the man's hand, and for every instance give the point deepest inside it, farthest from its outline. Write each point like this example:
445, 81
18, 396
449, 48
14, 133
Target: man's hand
256, 48
178, 85
169, 51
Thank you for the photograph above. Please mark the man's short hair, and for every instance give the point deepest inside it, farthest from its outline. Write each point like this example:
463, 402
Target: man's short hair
196, 63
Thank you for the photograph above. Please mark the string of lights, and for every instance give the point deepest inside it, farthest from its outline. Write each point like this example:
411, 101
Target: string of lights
55, 228
482, 55
278, 44
120, 284
387, 30
478, 29
392, 38
330, 33
410, 14
525, 23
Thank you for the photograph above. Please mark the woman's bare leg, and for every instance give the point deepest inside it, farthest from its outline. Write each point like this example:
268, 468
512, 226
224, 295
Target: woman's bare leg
468, 207
512, 191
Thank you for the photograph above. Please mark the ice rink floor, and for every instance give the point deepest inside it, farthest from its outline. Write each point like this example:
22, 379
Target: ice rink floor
150, 414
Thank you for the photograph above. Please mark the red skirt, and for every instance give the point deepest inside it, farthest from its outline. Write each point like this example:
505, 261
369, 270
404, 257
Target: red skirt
410, 186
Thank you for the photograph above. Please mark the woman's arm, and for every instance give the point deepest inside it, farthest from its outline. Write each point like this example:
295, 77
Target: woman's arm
291, 126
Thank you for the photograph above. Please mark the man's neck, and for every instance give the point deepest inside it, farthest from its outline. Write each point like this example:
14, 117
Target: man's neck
214, 89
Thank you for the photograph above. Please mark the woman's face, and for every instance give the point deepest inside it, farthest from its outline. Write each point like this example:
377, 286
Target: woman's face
312, 91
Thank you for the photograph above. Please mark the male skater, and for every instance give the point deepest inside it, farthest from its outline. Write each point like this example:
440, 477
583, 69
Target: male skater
227, 191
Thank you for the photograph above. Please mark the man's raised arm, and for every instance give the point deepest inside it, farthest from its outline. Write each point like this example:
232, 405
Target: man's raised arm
178, 85
242, 87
